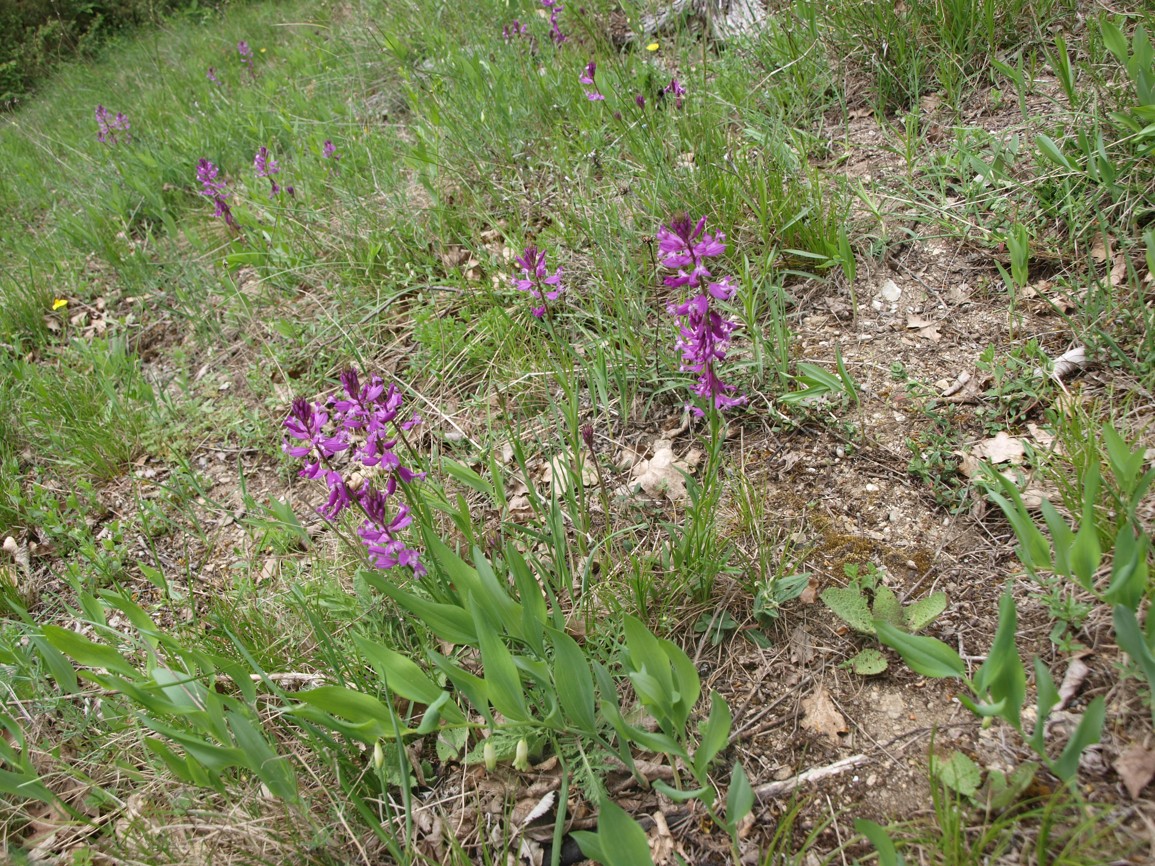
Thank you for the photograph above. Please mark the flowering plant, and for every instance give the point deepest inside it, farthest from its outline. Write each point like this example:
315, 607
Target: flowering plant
587, 77
536, 279
214, 189
108, 128
362, 421
684, 247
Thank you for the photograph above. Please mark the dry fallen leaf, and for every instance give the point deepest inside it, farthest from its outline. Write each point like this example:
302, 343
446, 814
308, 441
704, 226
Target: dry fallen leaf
926, 329
1136, 767
822, 717
1119, 271
801, 646
661, 475
1077, 671
1069, 363
1002, 448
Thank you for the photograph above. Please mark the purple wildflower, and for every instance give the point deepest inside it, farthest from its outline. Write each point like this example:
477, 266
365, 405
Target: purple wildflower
246, 53
514, 30
677, 90
107, 129
537, 280
555, 33
318, 432
703, 332
329, 150
587, 77
266, 166
640, 101
214, 188
211, 75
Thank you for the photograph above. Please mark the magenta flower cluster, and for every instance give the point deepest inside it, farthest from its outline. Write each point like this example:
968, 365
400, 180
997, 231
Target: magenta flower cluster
215, 189
359, 426
537, 280
246, 55
555, 8
587, 77
109, 127
704, 333
266, 167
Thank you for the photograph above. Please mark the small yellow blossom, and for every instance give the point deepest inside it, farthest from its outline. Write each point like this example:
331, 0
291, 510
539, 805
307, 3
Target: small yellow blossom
263, 50
59, 302
653, 46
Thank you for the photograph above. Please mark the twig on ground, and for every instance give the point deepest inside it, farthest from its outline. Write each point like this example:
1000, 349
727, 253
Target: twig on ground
786, 786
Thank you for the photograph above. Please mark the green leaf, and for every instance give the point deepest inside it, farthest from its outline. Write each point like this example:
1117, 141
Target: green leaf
463, 474
666, 790
86, 652
924, 655
573, 680
920, 614
739, 797
687, 683
887, 607
959, 773
1129, 569
1129, 637
404, 677
849, 604
1086, 553
867, 663
623, 841
1086, 734
1062, 538
1046, 697
371, 718
502, 681
715, 735
1002, 675
1051, 151
645, 654
877, 836
1114, 40
448, 621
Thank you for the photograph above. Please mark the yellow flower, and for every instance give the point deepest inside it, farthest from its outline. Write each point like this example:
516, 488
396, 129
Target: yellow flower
653, 46
263, 50
59, 302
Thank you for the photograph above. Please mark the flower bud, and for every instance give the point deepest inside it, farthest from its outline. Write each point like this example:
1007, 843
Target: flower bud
378, 756
490, 756
521, 759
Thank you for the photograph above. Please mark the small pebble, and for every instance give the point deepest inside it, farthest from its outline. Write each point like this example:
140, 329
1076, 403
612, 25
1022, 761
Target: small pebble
871, 488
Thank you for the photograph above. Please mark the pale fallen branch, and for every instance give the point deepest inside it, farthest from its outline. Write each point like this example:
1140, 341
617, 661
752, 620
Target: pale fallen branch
786, 786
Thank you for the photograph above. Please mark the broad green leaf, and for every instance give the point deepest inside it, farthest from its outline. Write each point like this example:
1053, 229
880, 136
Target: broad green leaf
502, 681
624, 842
463, 474
868, 662
470, 685
687, 683
1002, 675
715, 735
370, 716
924, 655
645, 654
739, 797
959, 773
574, 683
1086, 554
490, 592
1062, 538
849, 604
921, 613
58, 666
877, 836
1086, 734
86, 652
1051, 151
887, 606
684, 796
266, 764
401, 674
1046, 697
448, 621
1129, 569
1130, 639
1114, 40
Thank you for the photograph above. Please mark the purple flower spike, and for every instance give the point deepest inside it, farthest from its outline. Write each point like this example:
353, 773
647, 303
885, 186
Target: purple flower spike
555, 33
107, 129
640, 101
322, 435
212, 76
329, 150
587, 77
266, 166
703, 334
676, 90
246, 54
214, 189
537, 280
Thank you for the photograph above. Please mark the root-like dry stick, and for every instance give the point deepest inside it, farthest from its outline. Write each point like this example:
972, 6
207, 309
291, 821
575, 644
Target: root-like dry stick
786, 786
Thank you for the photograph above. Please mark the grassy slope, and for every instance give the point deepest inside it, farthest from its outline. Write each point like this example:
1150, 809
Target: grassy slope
140, 445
